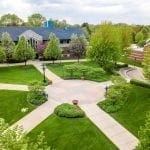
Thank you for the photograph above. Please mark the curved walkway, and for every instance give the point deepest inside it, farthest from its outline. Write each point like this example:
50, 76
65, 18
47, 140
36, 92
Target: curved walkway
131, 73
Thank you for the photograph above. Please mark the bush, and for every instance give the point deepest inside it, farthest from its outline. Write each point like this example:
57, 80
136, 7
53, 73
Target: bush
79, 70
36, 94
116, 96
69, 111
118, 66
95, 72
70, 69
146, 70
82, 70
140, 83
144, 135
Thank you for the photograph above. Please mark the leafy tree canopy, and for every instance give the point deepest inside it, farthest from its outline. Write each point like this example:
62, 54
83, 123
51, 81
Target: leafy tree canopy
53, 50
8, 45
2, 54
10, 20
105, 45
78, 45
146, 62
15, 139
36, 20
23, 51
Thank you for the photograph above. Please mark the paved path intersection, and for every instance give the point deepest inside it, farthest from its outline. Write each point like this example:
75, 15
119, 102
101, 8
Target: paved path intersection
88, 93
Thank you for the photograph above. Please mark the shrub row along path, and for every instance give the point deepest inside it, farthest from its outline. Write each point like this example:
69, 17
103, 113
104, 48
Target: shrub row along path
88, 93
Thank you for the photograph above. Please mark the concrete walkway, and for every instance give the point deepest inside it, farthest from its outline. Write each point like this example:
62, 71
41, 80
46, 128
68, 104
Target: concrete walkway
30, 62
35, 117
50, 75
132, 73
17, 87
120, 136
88, 93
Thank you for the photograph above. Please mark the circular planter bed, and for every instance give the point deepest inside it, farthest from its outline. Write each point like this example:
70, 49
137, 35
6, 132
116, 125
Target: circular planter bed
69, 111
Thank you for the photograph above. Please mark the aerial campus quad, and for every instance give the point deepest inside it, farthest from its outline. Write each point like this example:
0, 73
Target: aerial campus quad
73, 87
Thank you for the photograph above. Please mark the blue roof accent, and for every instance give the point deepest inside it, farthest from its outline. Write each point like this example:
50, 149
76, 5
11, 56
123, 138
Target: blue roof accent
62, 34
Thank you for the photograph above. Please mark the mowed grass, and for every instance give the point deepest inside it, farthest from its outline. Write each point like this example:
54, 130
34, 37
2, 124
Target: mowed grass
19, 74
11, 103
59, 70
133, 113
72, 134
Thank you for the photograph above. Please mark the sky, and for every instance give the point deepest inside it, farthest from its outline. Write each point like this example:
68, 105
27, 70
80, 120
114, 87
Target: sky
79, 11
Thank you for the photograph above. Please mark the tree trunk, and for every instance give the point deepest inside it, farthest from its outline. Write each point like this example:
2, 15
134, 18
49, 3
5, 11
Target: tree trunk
25, 62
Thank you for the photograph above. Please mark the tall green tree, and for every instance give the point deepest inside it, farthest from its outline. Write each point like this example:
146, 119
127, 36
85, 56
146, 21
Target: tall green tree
23, 51
60, 23
78, 45
146, 62
2, 54
104, 47
53, 50
10, 20
87, 28
146, 32
8, 45
15, 139
126, 39
139, 38
36, 20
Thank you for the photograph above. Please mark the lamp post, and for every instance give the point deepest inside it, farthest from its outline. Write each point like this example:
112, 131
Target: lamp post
135, 62
43, 68
106, 88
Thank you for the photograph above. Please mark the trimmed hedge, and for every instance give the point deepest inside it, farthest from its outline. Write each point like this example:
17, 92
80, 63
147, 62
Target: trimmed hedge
79, 70
124, 65
140, 83
69, 111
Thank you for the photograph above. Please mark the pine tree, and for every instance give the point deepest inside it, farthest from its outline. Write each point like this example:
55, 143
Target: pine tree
23, 51
53, 50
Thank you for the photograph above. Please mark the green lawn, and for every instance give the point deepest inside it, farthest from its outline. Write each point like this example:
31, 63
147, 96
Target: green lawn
133, 113
19, 74
57, 68
11, 103
72, 134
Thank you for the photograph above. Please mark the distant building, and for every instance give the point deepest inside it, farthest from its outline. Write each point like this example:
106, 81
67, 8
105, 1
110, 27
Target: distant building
138, 52
39, 36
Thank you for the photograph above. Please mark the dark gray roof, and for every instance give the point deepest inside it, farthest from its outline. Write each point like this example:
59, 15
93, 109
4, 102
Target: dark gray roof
44, 32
